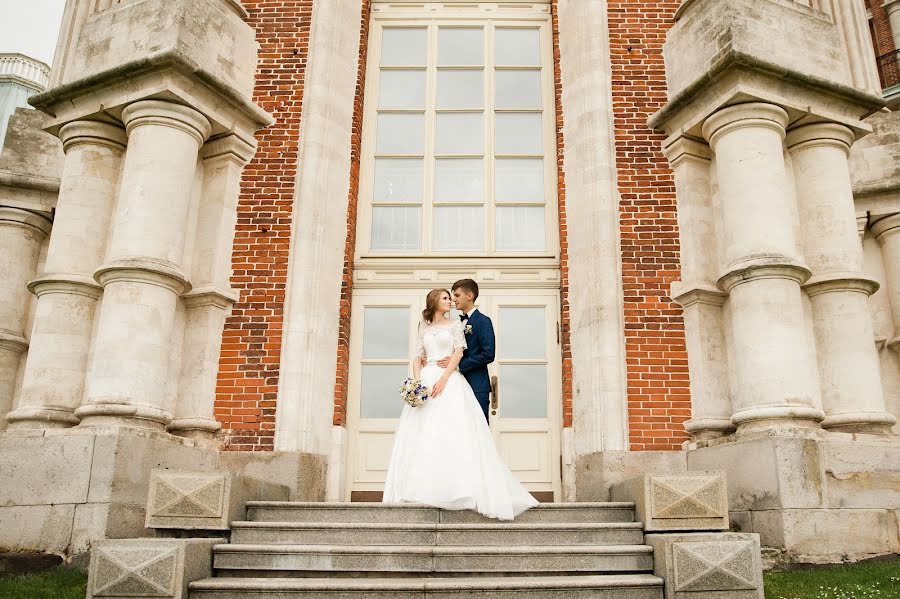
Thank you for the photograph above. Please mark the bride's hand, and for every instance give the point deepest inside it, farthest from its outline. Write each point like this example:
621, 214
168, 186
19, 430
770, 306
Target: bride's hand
438, 387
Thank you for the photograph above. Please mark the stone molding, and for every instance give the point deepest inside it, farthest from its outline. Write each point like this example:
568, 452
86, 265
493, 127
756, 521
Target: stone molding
763, 267
148, 567
708, 566
230, 147
888, 225
857, 418
691, 501
12, 342
688, 294
116, 412
687, 148
66, 283
701, 428
841, 281
804, 415
166, 114
820, 134
210, 295
144, 270
751, 114
92, 132
19, 217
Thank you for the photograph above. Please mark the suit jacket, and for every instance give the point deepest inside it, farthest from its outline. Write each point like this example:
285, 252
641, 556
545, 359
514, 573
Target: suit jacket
479, 352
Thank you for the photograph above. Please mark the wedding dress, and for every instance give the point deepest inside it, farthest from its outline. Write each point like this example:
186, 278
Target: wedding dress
444, 455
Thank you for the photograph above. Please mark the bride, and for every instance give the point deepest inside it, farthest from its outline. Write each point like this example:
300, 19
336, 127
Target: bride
444, 455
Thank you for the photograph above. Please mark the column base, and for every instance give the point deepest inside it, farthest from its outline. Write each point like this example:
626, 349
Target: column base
878, 423
702, 429
200, 429
121, 414
777, 417
41, 418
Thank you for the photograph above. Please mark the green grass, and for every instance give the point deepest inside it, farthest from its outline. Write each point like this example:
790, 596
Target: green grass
870, 580
57, 584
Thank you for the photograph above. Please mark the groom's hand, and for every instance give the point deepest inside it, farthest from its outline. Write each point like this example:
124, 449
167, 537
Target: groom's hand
444, 362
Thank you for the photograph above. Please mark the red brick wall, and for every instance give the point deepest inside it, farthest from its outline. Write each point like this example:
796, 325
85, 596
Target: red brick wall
251, 344
343, 351
657, 370
881, 25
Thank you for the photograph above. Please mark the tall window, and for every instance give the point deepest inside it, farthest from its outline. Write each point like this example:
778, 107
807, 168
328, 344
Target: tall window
458, 154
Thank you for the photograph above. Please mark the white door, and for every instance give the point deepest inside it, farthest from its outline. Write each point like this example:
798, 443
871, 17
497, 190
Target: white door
526, 407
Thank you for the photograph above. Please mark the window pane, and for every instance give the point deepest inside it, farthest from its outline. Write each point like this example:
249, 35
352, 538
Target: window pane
458, 180
403, 46
523, 390
460, 134
398, 180
380, 390
460, 89
519, 179
519, 134
460, 46
402, 89
458, 228
396, 228
520, 228
386, 333
521, 47
523, 333
518, 89
401, 134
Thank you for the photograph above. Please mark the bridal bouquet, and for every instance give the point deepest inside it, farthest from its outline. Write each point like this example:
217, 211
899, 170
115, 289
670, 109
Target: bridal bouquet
414, 392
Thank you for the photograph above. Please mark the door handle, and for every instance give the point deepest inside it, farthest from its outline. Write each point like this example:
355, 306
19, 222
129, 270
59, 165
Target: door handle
495, 392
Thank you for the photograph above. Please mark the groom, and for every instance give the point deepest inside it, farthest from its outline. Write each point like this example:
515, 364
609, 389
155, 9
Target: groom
479, 341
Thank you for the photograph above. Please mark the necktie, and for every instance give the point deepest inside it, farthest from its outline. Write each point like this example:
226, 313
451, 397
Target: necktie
463, 317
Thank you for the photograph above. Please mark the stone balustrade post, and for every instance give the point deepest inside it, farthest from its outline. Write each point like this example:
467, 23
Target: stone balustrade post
701, 300
887, 233
773, 362
849, 374
209, 302
143, 278
53, 380
22, 234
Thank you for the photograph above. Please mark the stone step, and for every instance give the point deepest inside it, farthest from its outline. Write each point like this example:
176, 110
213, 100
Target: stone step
287, 511
299, 560
616, 586
412, 534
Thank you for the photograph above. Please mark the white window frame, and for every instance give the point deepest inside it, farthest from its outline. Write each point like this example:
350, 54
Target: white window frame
432, 15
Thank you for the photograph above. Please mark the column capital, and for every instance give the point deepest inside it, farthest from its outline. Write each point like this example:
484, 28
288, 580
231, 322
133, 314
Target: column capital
145, 270
67, 283
891, 6
229, 147
751, 114
885, 227
841, 281
782, 269
687, 148
166, 114
92, 132
25, 219
688, 294
827, 134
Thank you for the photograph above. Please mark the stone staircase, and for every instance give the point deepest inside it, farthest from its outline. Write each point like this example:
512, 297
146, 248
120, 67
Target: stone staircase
288, 550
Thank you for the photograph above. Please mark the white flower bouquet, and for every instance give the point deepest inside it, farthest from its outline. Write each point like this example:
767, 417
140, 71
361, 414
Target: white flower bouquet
414, 392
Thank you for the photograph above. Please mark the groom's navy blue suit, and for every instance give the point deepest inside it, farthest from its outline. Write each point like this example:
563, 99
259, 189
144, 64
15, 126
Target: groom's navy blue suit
478, 354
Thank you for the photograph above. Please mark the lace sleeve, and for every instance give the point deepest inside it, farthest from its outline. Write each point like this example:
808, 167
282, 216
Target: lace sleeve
459, 335
420, 343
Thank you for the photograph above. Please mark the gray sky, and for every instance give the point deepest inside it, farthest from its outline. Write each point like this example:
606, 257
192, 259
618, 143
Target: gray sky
30, 27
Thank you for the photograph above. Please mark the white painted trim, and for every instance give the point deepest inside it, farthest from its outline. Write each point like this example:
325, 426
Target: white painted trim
305, 404
592, 213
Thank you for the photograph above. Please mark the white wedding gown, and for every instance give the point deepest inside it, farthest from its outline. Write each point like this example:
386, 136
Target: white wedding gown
444, 455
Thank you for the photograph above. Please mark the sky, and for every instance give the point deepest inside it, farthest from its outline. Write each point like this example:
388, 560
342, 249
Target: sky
30, 27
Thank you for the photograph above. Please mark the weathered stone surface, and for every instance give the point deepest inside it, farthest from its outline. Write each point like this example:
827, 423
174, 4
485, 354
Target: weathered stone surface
875, 159
708, 566
302, 473
30, 152
689, 501
767, 473
193, 499
206, 33
36, 527
595, 473
862, 473
45, 470
780, 33
148, 567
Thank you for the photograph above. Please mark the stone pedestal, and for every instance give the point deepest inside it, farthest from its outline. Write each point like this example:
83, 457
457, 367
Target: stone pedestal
144, 278
763, 272
22, 233
688, 501
53, 383
849, 375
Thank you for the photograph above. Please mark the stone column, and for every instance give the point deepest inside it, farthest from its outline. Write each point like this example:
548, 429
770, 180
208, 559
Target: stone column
774, 368
892, 7
887, 233
143, 279
21, 235
697, 293
849, 375
210, 301
53, 381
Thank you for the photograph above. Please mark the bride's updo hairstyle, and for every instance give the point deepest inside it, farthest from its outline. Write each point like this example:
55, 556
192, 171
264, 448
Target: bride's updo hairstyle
431, 304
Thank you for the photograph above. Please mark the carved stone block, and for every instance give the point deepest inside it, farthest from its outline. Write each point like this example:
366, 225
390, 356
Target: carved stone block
148, 567
190, 500
708, 565
685, 502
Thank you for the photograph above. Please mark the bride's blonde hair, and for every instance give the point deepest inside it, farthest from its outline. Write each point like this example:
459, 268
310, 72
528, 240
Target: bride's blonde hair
431, 304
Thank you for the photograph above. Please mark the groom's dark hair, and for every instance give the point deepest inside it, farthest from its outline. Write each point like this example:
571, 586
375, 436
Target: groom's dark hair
467, 285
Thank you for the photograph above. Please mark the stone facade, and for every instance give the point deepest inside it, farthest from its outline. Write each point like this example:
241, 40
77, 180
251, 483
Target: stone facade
183, 212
